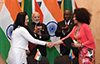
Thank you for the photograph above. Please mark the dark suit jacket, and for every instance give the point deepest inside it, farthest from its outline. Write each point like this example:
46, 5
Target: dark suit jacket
45, 36
58, 33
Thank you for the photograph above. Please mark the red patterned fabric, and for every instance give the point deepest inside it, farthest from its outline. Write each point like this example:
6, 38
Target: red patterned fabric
84, 35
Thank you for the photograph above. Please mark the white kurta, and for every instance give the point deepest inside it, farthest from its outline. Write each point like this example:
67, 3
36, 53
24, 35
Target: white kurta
19, 45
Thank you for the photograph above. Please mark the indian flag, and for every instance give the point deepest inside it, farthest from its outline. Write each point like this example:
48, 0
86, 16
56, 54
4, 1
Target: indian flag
38, 55
52, 15
31, 6
7, 17
68, 4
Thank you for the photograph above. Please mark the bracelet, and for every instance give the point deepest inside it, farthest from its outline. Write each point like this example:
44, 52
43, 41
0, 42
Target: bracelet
81, 44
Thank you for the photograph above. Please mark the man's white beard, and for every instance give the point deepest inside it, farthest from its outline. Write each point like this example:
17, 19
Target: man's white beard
36, 22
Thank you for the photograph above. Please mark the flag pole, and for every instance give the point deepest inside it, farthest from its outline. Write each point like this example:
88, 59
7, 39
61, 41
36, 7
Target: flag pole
71, 62
37, 62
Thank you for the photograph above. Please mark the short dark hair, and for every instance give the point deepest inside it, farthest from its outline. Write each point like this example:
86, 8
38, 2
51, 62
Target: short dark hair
82, 15
20, 20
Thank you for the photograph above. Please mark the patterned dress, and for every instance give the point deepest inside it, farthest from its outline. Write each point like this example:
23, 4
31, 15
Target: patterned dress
86, 55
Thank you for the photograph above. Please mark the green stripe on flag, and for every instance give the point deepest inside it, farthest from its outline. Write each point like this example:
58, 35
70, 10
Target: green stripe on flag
28, 8
52, 53
4, 45
68, 5
40, 57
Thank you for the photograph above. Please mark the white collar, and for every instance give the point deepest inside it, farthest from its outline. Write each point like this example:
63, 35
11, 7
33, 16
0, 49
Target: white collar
68, 22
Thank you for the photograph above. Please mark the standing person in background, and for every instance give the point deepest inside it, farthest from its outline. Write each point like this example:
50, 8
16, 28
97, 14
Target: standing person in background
20, 38
83, 36
39, 31
63, 29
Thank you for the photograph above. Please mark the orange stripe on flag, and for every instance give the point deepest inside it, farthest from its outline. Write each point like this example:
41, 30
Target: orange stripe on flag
37, 9
13, 7
62, 8
76, 5
54, 9
73, 55
36, 54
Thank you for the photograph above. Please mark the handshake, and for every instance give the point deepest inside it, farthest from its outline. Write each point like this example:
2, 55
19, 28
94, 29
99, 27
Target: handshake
49, 44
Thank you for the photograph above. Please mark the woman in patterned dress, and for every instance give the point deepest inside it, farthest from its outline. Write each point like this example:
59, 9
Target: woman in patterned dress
81, 33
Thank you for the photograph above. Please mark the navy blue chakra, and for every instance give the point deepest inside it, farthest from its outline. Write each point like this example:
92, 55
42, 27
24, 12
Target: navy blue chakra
52, 26
9, 31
